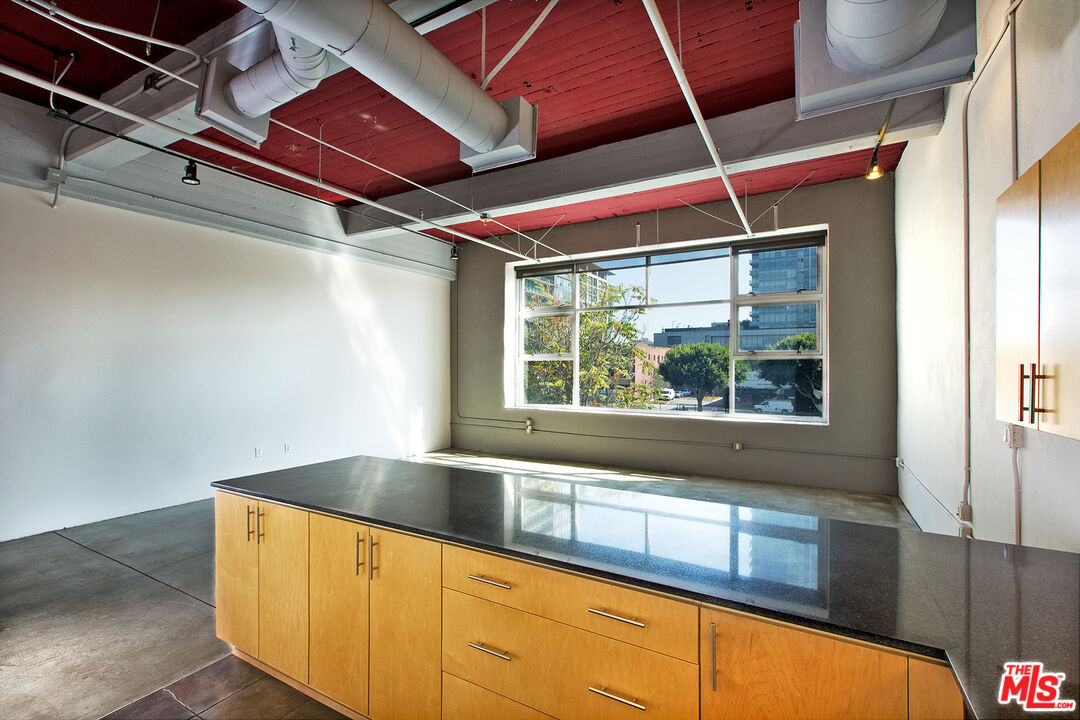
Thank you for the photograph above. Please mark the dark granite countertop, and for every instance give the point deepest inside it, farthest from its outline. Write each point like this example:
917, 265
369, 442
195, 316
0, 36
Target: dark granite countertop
977, 603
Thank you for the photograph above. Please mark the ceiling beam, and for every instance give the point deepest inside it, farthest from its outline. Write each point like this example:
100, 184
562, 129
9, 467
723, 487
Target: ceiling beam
763, 137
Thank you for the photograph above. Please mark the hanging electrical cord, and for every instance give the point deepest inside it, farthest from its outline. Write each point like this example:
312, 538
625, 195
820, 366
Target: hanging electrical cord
56, 80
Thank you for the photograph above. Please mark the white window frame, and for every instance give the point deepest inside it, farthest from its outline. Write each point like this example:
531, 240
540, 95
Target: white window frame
514, 315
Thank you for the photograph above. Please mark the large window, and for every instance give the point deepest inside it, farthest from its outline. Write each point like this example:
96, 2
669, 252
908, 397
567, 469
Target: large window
715, 330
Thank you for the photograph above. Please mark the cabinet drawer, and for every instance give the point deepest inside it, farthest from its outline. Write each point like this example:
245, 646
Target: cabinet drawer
648, 621
561, 670
464, 701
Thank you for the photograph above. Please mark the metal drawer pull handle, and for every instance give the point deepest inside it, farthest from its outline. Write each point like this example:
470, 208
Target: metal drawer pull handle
603, 613
712, 653
602, 690
247, 515
481, 648
359, 562
259, 535
496, 583
371, 558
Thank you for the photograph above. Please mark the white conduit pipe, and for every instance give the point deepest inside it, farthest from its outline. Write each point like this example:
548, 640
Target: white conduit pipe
676, 67
53, 10
375, 41
863, 36
240, 155
296, 67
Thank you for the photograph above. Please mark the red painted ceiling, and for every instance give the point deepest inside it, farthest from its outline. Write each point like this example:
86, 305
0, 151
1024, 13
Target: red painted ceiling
595, 68
30, 42
780, 178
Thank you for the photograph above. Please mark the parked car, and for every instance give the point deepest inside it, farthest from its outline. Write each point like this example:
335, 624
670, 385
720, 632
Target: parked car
667, 394
777, 407
685, 392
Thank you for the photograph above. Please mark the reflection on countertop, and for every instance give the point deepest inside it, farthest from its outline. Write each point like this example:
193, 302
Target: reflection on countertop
979, 603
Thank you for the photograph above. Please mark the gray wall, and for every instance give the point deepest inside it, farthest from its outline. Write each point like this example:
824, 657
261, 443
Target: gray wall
854, 452
930, 251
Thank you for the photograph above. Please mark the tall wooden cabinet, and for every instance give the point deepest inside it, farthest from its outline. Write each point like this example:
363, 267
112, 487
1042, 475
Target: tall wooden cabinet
261, 582
1038, 263
338, 580
406, 636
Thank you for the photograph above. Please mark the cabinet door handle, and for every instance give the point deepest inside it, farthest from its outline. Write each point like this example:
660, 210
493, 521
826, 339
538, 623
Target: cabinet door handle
481, 648
259, 515
604, 613
602, 690
247, 519
1032, 407
712, 653
1023, 377
359, 562
489, 581
371, 558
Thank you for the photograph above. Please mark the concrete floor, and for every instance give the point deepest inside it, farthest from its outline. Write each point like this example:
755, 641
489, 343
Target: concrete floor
96, 616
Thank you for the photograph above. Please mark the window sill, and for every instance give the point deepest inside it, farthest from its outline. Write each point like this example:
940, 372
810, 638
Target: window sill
694, 416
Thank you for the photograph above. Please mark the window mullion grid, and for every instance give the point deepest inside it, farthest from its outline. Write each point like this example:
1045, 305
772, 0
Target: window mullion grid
575, 391
817, 298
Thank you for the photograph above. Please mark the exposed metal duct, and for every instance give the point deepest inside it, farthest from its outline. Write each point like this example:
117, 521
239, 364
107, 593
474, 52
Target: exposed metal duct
375, 41
294, 68
869, 35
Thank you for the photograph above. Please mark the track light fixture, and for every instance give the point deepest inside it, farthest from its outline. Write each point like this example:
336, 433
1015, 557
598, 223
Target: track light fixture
873, 171
191, 174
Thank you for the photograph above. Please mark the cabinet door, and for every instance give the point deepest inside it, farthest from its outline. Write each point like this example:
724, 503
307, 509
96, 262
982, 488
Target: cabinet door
405, 626
283, 589
1059, 321
236, 584
1017, 295
932, 692
338, 600
763, 670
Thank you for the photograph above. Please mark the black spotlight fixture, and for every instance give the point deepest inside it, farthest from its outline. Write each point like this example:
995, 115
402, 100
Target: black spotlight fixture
191, 174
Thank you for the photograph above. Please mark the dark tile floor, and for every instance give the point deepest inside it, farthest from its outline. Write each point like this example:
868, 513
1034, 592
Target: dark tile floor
228, 689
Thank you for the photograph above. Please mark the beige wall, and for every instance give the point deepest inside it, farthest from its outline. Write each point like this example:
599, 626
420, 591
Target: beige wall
856, 451
930, 243
141, 359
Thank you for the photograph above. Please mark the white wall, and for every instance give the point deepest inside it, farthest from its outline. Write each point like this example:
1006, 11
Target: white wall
929, 247
141, 359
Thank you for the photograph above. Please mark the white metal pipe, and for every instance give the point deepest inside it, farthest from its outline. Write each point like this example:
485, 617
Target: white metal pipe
863, 36
517, 46
296, 67
53, 10
240, 155
688, 93
374, 40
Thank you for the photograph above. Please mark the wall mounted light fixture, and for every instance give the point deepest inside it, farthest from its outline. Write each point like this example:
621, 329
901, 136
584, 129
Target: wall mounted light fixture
873, 171
191, 174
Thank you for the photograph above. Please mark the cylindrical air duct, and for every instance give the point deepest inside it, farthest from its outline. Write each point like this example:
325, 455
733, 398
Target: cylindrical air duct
864, 36
294, 68
375, 41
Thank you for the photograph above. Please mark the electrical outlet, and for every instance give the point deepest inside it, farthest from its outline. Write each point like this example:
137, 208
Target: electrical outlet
258, 452
1013, 436
286, 447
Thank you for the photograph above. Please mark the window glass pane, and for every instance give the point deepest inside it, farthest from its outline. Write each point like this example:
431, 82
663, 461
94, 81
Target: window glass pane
552, 290
548, 335
791, 328
773, 271
682, 277
611, 282
608, 355
780, 387
685, 357
549, 382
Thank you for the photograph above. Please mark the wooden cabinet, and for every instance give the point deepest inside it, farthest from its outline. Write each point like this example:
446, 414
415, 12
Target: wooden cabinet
757, 669
261, 581
465, 701
932, 692
405, 627
661, 624
236, 581
338, 600
561, 670
1038, 328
